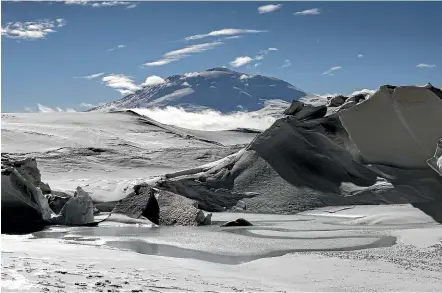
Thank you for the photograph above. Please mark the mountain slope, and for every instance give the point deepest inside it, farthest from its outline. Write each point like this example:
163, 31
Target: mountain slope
219, 88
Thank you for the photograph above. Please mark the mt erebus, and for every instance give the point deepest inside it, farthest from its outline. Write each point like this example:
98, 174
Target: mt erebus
218, 88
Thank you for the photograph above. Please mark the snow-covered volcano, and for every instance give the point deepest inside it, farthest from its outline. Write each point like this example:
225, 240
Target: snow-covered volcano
219, 88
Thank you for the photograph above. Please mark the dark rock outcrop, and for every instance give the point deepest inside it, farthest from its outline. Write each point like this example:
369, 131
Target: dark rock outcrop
57, 200
161, 207
237, 223
24, 206
305, 111
140, 203
336, 101
179, 210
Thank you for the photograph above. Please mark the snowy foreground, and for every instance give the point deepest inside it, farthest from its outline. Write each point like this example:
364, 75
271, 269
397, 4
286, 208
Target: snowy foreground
359, 248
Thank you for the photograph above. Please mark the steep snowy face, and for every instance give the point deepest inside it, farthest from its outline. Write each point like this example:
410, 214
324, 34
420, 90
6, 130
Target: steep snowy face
219, 88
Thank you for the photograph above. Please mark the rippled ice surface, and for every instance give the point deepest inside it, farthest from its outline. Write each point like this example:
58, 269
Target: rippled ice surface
271, 236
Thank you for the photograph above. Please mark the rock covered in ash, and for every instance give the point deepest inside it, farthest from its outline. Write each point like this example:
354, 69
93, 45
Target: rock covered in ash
237, 223
299, 164
140, 203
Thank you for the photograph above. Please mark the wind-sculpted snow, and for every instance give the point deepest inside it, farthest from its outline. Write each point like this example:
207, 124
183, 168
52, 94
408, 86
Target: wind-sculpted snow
108, 153
219, 89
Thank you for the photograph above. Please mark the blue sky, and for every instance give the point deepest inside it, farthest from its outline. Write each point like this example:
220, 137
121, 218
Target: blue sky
62, 55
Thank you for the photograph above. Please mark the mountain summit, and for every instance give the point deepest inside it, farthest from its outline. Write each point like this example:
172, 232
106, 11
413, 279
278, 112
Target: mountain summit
218, 88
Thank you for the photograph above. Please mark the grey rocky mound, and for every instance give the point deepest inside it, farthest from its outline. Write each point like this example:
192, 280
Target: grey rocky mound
336, 101
179, 210
308, 159
161, 207
140, 203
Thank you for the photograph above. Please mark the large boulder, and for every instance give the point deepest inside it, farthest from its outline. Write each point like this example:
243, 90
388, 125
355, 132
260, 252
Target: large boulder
397, 126
237, 223
24, 207
78, 210
179, 210
140, 203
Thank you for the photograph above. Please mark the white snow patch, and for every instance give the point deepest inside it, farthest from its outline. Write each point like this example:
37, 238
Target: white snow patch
175, 95
153, 80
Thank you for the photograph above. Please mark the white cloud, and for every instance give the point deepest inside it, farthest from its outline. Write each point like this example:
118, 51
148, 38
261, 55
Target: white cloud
117, 47
176, 55
313, 11
232, 37
31, 30
132, 6
45, 109
191, 74
209, 119
360, 56
256, 65
153, 80
77, 2
423, 65
87, 105
60, 22
331, 70
269, 8
223, 32
99, 4
124, 84
240, 61
264, 52
160, 62
286, 63
92, 76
